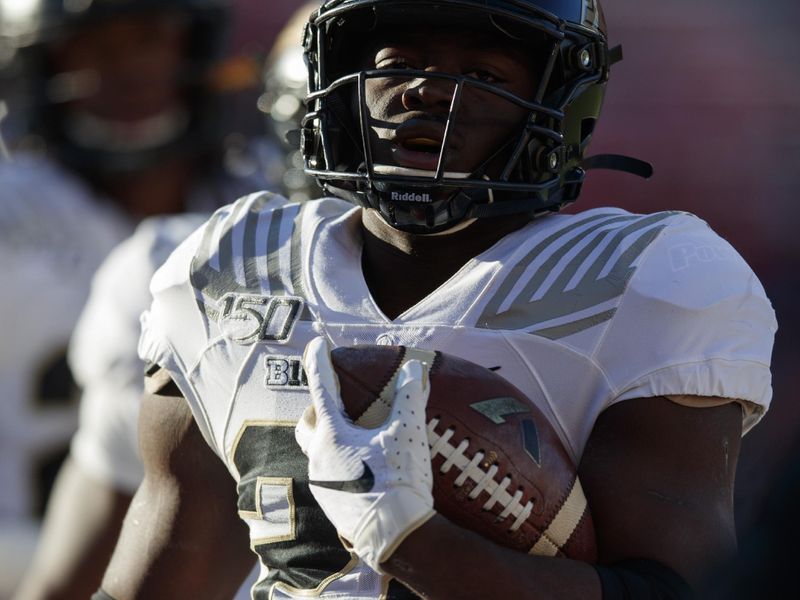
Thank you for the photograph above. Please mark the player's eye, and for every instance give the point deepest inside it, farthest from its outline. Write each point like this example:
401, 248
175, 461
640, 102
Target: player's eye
394, 63
483, 75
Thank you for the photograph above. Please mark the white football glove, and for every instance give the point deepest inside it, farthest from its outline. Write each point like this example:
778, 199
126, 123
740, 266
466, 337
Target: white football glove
374, 485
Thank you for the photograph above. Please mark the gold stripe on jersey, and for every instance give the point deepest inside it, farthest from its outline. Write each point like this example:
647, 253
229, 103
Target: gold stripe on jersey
283, 483
317, 591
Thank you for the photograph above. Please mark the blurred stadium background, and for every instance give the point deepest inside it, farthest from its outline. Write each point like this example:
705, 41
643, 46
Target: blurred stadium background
709, 92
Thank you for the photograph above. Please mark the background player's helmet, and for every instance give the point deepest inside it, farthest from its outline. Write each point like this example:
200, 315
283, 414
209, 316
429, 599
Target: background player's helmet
546, 159
29, 29
282, 103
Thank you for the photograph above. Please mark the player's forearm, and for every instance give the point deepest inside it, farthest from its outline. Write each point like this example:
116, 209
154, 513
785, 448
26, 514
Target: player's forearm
182, 522
442, 561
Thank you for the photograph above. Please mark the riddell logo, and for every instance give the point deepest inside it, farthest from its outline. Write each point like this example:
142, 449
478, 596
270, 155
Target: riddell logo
410, 197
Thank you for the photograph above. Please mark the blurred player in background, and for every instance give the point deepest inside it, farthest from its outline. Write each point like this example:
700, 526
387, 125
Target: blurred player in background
98, 480
104, 468
283, 104
119, 104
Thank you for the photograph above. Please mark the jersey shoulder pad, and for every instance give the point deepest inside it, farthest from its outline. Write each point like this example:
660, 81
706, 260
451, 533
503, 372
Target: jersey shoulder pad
256, 247
252, 246
702, 267
695, 320
177, 325
566, 274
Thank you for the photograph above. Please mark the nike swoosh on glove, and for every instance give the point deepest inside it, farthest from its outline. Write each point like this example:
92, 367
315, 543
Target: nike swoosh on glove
374, 485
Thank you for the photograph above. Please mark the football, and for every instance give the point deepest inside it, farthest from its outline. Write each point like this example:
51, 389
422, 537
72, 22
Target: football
499, 467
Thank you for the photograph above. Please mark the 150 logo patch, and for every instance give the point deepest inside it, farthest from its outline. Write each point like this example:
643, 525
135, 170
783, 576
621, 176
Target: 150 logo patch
247, 319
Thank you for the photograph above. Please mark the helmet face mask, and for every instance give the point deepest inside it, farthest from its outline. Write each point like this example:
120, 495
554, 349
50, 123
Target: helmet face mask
535, 168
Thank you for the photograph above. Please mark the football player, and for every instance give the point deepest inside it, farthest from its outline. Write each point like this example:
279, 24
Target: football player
122, 124
458, 129
103, 469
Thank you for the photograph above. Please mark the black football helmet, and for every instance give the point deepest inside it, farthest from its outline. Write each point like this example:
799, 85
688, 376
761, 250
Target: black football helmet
27, 31
546, 162
285, 89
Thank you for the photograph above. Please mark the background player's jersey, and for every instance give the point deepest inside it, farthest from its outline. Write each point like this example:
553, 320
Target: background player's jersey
103, 358
579, 312
102, 351
53, 235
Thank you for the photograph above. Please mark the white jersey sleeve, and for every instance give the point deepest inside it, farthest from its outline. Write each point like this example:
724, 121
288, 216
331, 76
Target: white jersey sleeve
103, 351
173, 330
607, 306
694, 320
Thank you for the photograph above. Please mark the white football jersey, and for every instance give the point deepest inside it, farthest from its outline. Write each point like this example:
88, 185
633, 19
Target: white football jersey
102, 351
54, 233
579, 312
53, 236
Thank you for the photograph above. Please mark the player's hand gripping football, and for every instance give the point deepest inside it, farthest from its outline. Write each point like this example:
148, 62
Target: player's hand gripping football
373, 484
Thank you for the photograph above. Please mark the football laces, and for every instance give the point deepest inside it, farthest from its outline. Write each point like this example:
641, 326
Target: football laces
470, 469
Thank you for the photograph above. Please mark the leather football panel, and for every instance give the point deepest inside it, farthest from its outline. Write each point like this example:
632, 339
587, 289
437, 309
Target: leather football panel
517, 439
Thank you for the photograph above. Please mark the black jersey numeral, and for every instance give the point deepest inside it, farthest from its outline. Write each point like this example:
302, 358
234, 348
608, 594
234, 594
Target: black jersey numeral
300, 547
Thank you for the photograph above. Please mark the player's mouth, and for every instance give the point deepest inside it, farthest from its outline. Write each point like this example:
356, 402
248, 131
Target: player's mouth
417, 144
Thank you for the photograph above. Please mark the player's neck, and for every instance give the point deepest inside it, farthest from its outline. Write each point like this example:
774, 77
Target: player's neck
402, 268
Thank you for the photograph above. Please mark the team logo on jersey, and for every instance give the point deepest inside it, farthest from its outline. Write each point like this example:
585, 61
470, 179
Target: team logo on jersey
285, 372
246, 318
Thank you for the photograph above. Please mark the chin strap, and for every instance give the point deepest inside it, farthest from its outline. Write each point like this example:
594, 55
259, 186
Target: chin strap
614, 55
618, 162
501, 209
